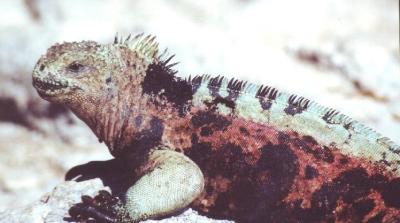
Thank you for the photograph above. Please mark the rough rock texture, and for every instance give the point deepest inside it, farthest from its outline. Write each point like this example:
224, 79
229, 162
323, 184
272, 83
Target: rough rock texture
342, 55
53, 206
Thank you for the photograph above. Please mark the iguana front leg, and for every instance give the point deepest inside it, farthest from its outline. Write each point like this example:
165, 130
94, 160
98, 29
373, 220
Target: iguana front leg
170, 182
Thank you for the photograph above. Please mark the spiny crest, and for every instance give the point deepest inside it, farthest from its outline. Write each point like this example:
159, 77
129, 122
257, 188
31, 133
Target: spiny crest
216, 81
297, 101
331, 116
233, 84
267, 92
146, 46
236, 85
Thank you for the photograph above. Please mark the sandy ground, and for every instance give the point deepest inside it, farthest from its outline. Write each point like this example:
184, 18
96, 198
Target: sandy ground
344, 56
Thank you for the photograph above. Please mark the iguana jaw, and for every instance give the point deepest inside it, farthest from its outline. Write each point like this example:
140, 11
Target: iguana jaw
50, 87
50, 84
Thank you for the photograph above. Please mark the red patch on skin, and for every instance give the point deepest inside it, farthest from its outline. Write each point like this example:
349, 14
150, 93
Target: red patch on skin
329, 162
303, 189
258, 136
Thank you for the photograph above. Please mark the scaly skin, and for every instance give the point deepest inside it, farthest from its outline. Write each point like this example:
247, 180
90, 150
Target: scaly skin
261, 155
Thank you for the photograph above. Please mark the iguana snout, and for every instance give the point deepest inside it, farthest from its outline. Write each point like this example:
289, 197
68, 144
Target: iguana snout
49, 83
70, 69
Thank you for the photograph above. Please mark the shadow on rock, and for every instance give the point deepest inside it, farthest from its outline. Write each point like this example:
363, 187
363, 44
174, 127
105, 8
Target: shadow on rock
114, 173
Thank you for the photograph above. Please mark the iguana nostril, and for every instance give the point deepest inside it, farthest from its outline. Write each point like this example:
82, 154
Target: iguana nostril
41, 68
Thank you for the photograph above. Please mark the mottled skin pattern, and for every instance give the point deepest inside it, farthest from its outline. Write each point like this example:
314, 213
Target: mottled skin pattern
264, 156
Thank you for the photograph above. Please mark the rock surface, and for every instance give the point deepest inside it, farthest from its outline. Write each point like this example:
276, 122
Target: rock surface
53, 206
341, 55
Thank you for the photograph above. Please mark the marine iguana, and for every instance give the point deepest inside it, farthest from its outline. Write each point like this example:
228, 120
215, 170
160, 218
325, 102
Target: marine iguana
227, 148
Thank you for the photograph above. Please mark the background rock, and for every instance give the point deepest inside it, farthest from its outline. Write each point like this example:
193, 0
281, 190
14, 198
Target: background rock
341, 55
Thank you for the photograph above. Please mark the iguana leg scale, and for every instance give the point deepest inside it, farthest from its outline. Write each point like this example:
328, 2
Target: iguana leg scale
162, 190
171, 184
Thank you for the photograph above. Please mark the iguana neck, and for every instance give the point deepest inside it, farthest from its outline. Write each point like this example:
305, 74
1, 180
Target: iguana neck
114, 119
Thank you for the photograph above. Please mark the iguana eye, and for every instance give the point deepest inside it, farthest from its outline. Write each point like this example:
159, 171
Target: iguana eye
75, 67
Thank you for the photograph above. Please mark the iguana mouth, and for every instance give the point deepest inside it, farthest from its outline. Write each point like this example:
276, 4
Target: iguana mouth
46, 84
49, 86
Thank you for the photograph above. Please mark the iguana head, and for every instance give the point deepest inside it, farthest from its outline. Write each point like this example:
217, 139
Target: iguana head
68, 70
73, 72
107, 86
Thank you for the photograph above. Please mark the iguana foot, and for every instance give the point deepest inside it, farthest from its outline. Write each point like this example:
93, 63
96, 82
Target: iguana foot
103, 208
